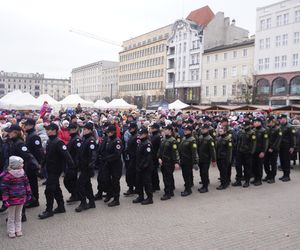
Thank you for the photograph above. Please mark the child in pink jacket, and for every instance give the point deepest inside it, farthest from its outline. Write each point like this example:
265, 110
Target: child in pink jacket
15, 193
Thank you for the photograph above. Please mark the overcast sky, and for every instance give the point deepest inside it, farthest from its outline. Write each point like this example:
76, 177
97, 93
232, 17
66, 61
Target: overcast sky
35, 34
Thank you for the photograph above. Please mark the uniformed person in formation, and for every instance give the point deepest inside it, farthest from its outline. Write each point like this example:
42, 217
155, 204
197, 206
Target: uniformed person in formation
155, 142
112, 166
188, 159
34, 144
246, 146
18, 147
262, 143
270, 162
144, 169
207, 155
224, 156
168, 159
287, 147
87, 160
56, 157
70, 179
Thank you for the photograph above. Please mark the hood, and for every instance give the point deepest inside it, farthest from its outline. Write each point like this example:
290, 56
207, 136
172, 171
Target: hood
17, 172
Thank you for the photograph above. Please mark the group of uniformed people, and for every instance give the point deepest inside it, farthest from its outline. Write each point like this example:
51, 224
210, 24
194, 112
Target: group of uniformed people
145, 150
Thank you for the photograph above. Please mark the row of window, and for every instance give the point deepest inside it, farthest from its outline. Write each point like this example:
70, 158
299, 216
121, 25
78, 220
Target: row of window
280, 87
215, 58
37, 87
20, 80
224, 72
279, 41
143, 64
279, 62
142, 75
154, 39
144, 52
195, 60
183, 47
282, 19
141, 86
236, 89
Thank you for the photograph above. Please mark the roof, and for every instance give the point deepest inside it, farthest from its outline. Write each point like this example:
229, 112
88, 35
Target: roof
201, 16
230, 46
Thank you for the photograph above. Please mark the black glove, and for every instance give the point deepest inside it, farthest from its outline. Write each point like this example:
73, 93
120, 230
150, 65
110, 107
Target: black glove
91, 173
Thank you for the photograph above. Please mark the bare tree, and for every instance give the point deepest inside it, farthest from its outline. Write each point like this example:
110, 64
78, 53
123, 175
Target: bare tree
244, 91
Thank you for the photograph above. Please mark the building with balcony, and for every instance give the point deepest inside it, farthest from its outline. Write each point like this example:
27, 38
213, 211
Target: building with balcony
277, 54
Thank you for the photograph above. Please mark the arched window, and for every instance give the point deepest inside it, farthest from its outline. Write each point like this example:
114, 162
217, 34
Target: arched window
280, 86
263, 87
295, 86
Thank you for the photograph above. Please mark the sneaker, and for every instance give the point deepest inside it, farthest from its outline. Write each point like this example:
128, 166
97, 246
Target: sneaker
19, 234
11, 235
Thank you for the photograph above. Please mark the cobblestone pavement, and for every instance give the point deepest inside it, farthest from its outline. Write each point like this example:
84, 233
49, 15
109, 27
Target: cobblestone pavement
265, 217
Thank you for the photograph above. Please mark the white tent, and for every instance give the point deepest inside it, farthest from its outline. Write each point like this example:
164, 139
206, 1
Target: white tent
19, 101
177, 105
72, 101
51, 101
101, 104
120, 104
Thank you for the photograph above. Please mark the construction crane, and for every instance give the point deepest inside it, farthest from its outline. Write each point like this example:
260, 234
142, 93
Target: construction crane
90, 35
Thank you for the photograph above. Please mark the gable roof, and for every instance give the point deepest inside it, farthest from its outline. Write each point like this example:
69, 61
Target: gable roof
201, 16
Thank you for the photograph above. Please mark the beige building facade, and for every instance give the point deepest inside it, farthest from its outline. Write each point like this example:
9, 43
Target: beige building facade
227, 73
142, 68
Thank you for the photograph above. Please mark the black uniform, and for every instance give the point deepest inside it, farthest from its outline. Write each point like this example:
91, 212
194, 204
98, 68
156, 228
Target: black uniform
87, 160
144, 169
131, 157
57, 156
270, 162
100, 178
155, 142
70, 179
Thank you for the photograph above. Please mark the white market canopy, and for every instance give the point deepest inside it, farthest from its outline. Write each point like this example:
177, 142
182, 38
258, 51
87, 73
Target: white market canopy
120, 104
101, 104
19, 101
51, 101
178, 105
73, 100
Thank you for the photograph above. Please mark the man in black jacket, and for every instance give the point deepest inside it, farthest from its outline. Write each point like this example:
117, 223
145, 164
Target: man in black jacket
87, 160
155, 141
56, 157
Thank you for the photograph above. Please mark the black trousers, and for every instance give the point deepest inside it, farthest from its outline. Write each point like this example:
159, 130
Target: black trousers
100, 180
167, 171
224, 169
112, 175
144, 182
70, 182
155, 177
131, 174
257, 167
85, 189
53, 191
243, 162
187, 174
270, 164
33, 181
285, 160
204, 169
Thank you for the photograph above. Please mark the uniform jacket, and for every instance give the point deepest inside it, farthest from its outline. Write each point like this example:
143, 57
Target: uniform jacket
188, 151
246, 141
224, 148
288, 136
275, 136
206, 149
168, 151
144, 155
34, 144
74, 148
262, 140
87, 154
113, 151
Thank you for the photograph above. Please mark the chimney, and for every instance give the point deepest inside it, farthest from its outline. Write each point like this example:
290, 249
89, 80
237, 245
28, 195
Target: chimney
226, 21
233, 22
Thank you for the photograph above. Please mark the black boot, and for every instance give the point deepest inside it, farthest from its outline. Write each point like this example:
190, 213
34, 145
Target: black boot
24, 218
186, 193
165, 197
73, 198
107, 198
265, 179
257, 183
129, 192
246, 184
203, 190
286, 179
114, 203
237, 184
221, 187
98, 196
91, 204
139, 199
82, 206
148, 201
271, 181
60, 209
46, 214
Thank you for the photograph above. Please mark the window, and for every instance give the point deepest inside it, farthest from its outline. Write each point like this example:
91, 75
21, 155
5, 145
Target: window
184, 47
283, 61
208, 59
183, 62
207, 91
268, 23
225, 56
295, 59
234, 71
245, 52
262, 24
233, 90
234, 54
268, 43
278, 41
267, 63
183, 76
215, 90
260, 64
295, 86
297, 16
224, 73
261, 43
224, 90
207, 74
216, 74
216, 58
244, 70
198, 58
285, 18
279, 87
277, 62
284, 39
193, 59
279, 20
263, 87
296, 37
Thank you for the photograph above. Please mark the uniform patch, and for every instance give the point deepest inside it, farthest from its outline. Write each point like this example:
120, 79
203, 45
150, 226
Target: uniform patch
78, 144
293, 131
92, 146
265, 136
174, 146
194, 145
178, 140
280, 133
118, 147
214, 133
138, 141
230, 135
230, 144
64, 147
253, 137
24, 148
37, 142
148, 150
212, 144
